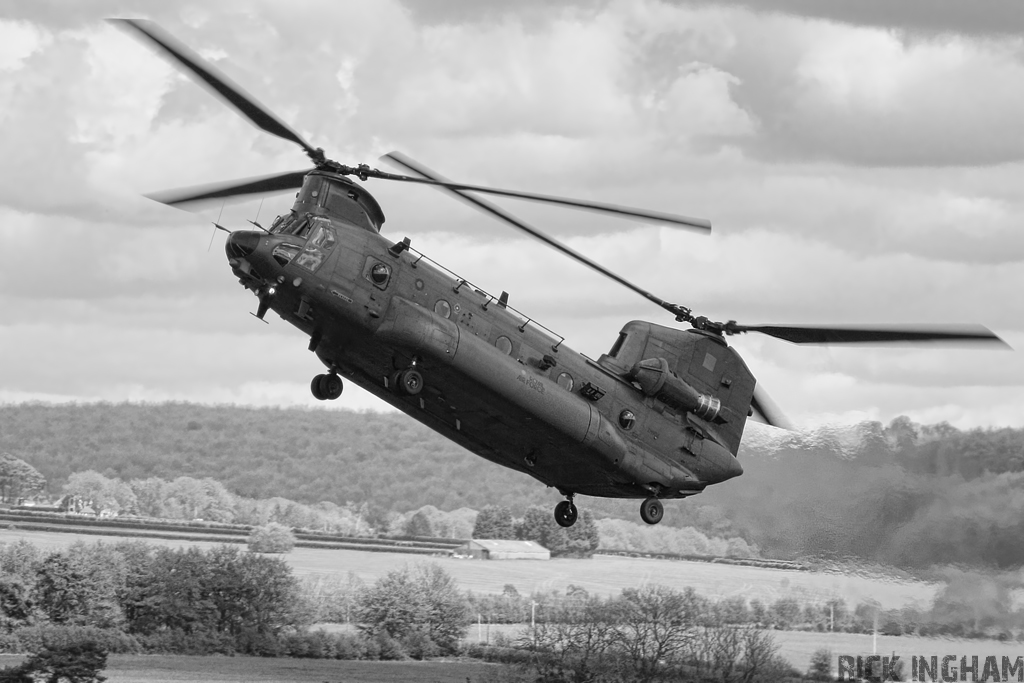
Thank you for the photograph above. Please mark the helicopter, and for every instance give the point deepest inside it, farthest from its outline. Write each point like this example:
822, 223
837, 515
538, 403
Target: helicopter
658, 417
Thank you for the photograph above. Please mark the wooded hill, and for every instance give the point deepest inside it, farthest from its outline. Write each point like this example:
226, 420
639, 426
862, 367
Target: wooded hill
901, 493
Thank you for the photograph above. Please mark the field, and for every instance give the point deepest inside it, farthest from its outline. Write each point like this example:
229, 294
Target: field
602, 575
796, 647
175, 669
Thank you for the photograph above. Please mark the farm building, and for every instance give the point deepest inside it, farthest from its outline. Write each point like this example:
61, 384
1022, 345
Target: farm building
503, 550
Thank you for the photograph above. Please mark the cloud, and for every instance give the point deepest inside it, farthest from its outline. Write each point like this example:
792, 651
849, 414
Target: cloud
857, 166
928, 17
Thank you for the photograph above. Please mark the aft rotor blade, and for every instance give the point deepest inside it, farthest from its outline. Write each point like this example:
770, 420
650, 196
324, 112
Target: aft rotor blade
800, 334
277, 182
767, 411
230, 91
697, 224
500, 213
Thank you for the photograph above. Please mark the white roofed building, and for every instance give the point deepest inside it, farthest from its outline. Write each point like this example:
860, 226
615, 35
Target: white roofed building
482, 549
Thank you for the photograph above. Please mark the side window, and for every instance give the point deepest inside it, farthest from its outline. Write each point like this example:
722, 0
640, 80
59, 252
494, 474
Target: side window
377, 272
318, 248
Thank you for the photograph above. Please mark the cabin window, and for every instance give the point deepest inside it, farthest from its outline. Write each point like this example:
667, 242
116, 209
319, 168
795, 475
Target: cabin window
318, 248
443, 308
627, 419
617, 346
380, 273
564, 380
504, 344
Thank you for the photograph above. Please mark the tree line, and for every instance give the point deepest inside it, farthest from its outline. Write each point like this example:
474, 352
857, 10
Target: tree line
901, 494
186, 498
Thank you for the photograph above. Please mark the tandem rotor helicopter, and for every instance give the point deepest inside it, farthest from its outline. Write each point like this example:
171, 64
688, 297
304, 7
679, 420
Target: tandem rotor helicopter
660, 416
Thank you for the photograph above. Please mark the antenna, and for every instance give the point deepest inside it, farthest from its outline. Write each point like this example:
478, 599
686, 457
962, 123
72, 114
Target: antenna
216, 226
257, 221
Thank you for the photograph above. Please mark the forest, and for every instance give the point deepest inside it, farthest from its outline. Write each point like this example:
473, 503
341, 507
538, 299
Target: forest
901, 494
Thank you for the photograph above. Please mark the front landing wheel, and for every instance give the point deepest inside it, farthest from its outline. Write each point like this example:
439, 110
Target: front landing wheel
566, 513
410, 382
651, 511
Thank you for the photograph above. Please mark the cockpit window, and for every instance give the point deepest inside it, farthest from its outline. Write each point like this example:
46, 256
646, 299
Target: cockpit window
319, 246
291, 224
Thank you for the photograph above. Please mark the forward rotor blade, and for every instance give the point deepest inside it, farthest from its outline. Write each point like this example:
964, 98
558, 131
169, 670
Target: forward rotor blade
767, 411
192, 63
800, 334
277, 182
697, 224
500, 213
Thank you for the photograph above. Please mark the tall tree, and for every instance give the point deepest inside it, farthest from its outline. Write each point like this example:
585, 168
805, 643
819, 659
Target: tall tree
103, 494
579, 540
424, 601
18, 479
494, 522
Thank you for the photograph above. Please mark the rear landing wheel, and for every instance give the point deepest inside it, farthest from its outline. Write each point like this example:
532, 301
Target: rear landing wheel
314, 388
566, 513
651, 511
330, 386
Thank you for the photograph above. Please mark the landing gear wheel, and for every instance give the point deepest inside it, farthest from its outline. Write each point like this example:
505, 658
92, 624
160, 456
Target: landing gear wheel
395, 381
314, 388
410, 382
566, 513
651, 511
330, 386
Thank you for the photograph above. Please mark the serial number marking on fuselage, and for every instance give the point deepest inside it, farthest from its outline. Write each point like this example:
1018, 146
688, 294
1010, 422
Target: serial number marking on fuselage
340, 295
532, 383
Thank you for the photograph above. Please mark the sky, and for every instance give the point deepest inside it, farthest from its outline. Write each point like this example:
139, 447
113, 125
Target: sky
860, 163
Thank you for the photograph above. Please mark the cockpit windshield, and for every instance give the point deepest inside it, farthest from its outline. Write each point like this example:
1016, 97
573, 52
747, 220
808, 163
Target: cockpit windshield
290, 224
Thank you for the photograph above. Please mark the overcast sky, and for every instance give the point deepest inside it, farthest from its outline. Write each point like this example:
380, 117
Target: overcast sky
860, 162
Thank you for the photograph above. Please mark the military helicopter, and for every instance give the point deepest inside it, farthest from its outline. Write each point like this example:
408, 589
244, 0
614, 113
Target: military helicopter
660, 416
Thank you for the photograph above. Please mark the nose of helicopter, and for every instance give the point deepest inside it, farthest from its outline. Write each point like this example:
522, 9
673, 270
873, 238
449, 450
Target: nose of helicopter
242, 243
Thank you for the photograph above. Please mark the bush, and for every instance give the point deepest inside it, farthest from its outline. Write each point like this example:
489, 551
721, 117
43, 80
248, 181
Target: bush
418, 645
57, 637
382, 646
272, 538
178, 642
349, 646
821, 665
79, 663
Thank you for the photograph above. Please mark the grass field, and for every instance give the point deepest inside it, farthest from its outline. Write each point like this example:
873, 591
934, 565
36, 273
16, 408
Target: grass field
795, 646
602, 575
175, 669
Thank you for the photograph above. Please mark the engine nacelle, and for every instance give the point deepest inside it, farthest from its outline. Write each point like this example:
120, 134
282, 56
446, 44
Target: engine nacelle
655, 379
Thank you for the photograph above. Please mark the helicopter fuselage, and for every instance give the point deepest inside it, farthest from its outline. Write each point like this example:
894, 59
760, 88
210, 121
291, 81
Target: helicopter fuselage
492, 380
